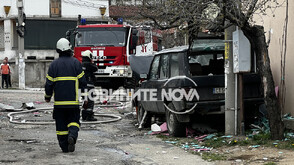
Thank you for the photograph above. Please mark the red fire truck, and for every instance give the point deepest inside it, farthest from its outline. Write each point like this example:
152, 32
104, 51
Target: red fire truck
112, 45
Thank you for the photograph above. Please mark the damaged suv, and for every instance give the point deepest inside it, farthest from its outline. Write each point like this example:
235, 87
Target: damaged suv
197, 71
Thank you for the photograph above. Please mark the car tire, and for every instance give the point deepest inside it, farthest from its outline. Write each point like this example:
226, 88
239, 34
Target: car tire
174, 127
140, 115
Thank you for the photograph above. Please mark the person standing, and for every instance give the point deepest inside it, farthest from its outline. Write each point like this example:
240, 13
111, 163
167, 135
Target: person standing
65, 76
89, 68
5, 71
9, 75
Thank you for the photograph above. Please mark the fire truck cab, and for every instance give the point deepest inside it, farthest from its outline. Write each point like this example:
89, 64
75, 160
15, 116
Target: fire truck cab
112, 45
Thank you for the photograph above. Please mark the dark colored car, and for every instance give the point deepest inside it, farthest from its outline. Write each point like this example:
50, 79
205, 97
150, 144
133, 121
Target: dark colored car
199, 73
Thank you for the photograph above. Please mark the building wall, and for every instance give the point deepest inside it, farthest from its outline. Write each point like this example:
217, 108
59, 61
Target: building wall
1, 35
86, 8
40, 10
35, 73
274, 27
36, 8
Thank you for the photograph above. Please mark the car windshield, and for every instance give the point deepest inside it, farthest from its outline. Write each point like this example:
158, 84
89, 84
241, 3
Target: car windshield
104, 36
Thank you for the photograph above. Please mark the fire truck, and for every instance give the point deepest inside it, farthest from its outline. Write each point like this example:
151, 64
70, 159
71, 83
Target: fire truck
112, 45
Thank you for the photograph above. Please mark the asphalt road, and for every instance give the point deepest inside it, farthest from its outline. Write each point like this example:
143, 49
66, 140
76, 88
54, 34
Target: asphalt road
113, 143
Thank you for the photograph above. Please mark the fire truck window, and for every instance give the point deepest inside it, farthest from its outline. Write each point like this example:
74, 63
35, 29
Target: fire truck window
164, 67
174, 65
144, 37
101, 37
154, 68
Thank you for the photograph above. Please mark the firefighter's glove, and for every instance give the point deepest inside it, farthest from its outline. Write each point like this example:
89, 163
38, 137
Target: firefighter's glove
47, 99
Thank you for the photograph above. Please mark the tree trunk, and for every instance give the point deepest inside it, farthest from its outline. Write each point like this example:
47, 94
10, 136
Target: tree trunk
257, 39
192, 32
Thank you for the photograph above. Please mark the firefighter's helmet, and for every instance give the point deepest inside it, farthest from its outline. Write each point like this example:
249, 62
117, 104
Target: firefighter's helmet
63, 45
88, 54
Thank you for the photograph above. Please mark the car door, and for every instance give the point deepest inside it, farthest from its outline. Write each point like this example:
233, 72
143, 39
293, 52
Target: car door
150, 105
164, 72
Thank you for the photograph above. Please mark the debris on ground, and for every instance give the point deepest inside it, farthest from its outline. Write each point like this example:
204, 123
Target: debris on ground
28, 105
38, 102
6, 107
156, 129
254, 146
37, 114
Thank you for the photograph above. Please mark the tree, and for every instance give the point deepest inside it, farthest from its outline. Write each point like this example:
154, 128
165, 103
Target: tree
211, 14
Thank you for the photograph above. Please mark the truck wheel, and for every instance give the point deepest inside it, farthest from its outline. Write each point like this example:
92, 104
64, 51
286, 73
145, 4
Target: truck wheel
174, 127
147, 122
131, 82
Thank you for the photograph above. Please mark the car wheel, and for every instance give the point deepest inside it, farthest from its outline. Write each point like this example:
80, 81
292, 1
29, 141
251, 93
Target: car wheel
174, 127
140, 115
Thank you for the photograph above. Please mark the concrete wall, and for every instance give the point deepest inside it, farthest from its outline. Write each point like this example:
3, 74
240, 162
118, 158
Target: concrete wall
8, 50
274, 26
35, 73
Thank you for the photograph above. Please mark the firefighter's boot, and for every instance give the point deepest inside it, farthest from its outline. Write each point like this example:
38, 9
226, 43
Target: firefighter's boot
91, 117
88, 115
71, 144
84, 114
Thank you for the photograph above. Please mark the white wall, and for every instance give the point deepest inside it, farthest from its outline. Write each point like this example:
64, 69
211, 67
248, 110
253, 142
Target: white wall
8, 39
86, 8
37, 8
13, 9
41, 9
70, 8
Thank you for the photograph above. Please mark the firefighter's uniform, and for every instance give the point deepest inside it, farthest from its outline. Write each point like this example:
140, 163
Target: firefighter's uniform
65, 77
89, 69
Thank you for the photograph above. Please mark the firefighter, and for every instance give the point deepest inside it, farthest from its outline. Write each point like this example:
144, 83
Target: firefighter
65, 76
89, 68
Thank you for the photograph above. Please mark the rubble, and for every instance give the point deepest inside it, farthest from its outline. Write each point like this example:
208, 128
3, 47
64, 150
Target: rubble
6, 107
155, 128
28, 105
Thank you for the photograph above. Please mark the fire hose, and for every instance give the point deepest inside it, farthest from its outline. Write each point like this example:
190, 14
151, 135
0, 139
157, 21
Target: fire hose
114, 118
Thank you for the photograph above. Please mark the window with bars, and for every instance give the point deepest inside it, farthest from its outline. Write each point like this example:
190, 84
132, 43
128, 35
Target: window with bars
55, 8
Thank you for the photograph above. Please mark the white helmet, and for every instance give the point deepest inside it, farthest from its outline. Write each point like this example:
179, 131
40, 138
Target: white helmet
63, 44
87, 53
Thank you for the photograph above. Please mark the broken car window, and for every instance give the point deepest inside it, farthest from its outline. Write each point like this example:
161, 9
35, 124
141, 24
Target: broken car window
174, 65
154, 68
164, 66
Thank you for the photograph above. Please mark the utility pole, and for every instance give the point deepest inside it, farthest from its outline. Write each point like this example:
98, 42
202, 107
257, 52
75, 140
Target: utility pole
229, 83
21, 60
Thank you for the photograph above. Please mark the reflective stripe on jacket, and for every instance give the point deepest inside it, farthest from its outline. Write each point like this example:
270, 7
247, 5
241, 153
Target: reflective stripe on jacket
65, 77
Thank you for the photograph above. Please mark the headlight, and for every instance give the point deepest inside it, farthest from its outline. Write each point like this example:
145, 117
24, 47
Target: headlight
121, 71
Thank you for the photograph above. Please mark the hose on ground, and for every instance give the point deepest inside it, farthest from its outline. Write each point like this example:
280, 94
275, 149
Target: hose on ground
11, 114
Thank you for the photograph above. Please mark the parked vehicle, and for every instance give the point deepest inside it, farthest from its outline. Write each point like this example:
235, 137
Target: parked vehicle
199, 69
112, 45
